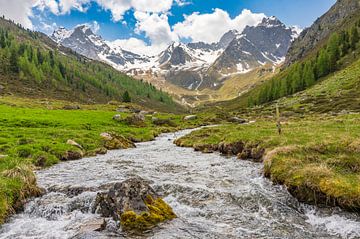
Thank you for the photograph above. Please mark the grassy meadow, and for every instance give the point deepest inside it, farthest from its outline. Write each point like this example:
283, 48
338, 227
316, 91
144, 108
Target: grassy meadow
34, 134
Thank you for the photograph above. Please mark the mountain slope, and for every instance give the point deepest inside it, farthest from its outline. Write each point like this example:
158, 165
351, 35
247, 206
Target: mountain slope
341, 14
190, 66
32, 65
336, 52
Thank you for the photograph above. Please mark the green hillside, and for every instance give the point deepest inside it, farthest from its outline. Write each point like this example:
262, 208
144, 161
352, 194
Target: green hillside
32, 65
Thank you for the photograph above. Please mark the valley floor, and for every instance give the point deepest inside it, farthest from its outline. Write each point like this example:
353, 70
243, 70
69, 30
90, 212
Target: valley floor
36, 133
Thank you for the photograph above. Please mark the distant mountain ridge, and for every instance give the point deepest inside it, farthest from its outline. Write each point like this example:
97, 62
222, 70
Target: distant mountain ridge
191, 65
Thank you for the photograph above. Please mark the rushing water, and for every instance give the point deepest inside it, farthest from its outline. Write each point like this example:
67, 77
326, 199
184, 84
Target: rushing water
213, 196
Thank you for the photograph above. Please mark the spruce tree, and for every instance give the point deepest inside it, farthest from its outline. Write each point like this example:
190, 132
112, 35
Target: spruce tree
14, 66
126, 97
309, 76
334, 51
354, 37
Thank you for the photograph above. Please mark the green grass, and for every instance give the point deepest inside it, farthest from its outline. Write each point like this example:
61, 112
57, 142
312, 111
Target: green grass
32, 135
337, 92
317, 158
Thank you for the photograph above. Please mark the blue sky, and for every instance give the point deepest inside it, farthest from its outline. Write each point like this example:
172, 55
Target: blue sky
155, 23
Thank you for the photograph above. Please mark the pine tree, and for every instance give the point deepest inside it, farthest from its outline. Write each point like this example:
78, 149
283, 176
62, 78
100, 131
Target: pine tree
344, 41
354, 37
334, 51
14, 66
322, 64
309, 76
126, 97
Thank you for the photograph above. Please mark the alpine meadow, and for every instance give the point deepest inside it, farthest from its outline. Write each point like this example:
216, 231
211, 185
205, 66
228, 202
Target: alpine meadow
179, 119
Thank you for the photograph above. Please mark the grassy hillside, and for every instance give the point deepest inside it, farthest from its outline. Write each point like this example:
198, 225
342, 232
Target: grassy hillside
333, 54
32, 65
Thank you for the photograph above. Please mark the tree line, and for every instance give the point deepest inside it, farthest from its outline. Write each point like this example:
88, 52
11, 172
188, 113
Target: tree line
28, 59
302, 75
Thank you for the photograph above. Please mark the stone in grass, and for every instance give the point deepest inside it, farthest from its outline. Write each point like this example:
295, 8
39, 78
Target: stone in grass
117, 117
135, 204
73, 143
190, 117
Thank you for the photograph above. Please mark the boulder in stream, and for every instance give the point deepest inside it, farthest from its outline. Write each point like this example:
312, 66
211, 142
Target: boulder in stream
114, 141
135, 204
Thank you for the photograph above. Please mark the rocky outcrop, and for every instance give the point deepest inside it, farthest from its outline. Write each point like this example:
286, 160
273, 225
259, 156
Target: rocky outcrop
342, 11
135, 204
135, 119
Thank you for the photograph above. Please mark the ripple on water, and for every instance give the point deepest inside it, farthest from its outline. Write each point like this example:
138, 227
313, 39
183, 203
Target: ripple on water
214, 197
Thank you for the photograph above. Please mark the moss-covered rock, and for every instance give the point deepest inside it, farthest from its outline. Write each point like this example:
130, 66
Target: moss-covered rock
158, 212
135, 204
114, 141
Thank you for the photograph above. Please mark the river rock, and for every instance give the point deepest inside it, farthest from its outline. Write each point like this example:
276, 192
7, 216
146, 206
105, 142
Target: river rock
190, 117
114, 141
73, 143
96, 224
135, 204
72, 155
101, 150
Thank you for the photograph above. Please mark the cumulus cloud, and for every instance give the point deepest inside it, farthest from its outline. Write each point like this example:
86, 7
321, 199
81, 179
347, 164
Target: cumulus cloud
18, 10
211, 26
138, 46
156, 27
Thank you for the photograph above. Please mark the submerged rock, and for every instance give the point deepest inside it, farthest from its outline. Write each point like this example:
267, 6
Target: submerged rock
135, 204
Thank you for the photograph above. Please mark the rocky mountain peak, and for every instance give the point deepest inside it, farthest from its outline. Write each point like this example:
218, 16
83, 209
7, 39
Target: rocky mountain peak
227, 38
271, 22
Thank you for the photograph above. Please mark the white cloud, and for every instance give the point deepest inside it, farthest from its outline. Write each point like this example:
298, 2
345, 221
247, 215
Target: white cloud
210, 27
18, 10
47, 28
183, 2
117, 7
156, 6
138, 46
156, 27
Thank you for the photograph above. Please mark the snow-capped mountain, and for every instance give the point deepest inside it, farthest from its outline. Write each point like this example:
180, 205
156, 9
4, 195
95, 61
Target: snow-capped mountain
266, 43
83, 41
194, 65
